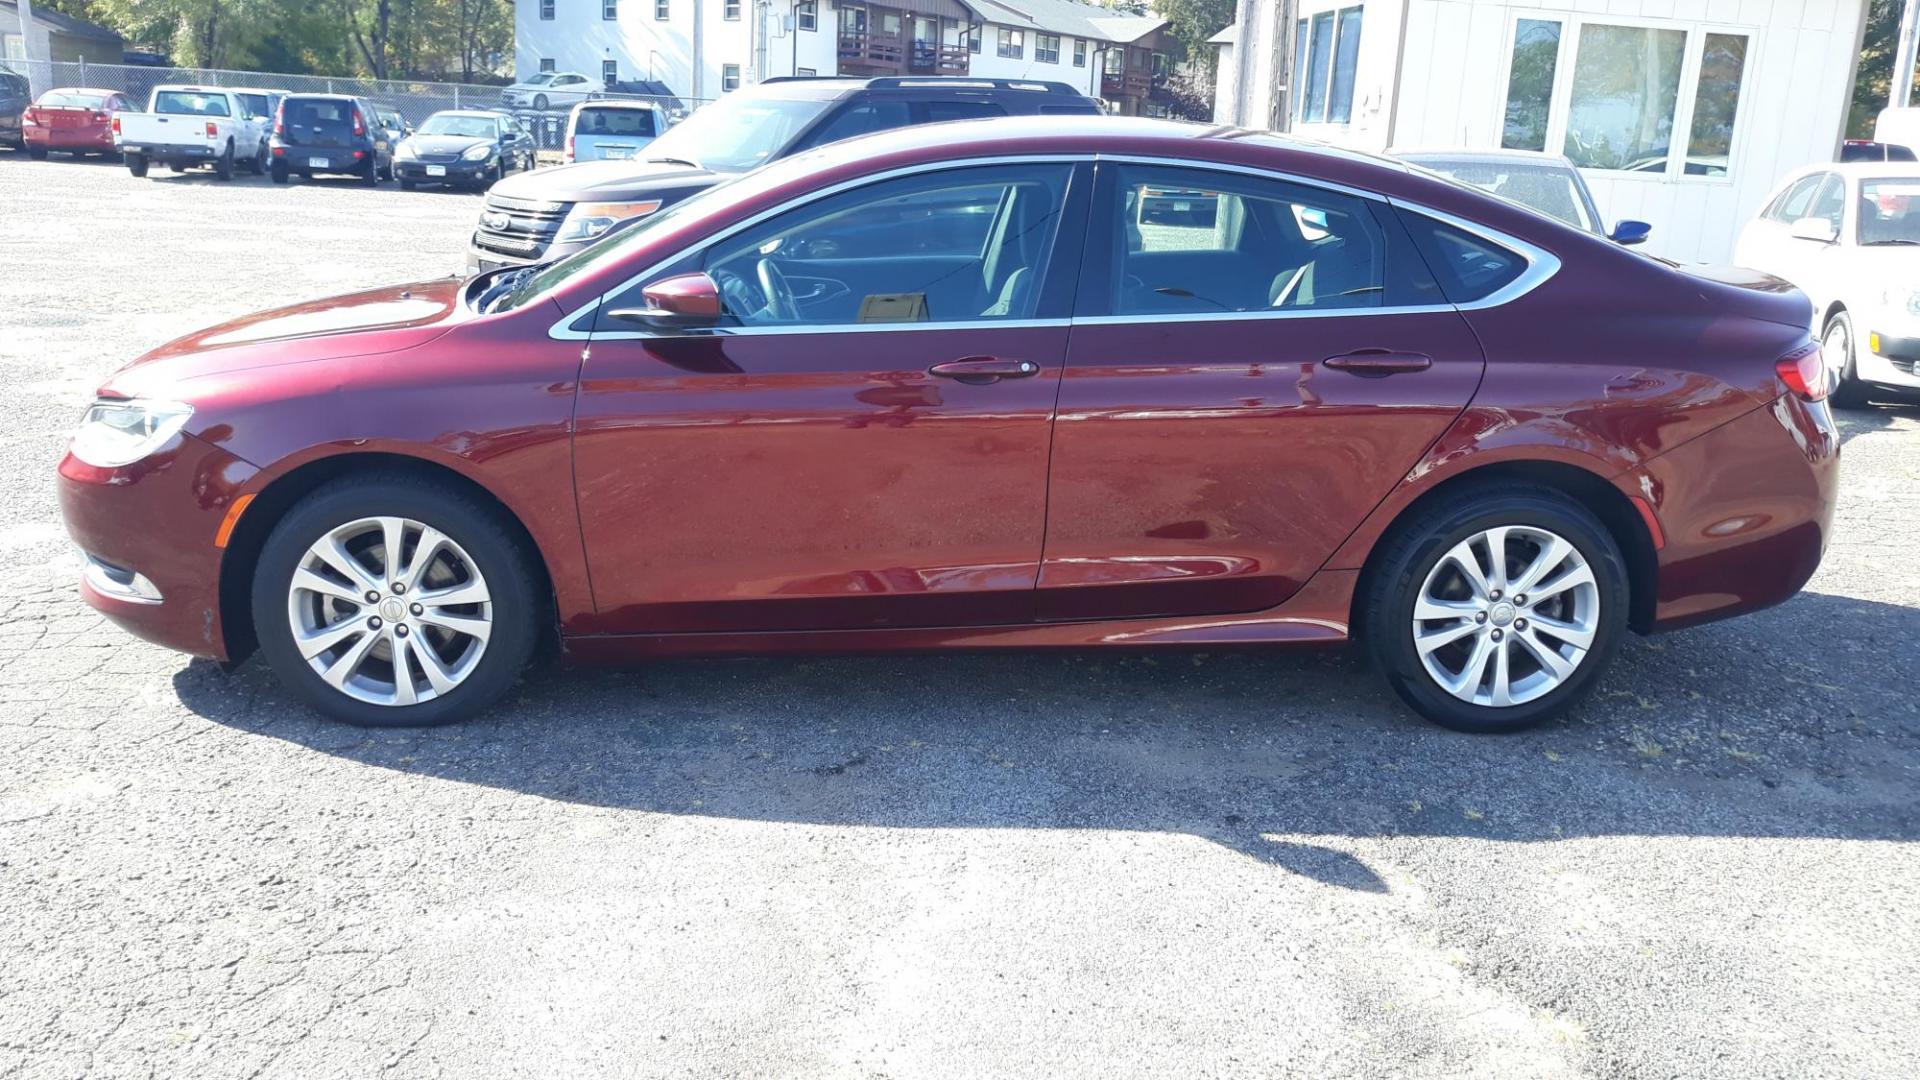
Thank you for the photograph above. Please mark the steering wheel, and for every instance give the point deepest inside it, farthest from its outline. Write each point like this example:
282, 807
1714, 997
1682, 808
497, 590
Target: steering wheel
780, 302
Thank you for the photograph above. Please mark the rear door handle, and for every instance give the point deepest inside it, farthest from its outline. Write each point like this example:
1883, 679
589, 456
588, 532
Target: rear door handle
1373, 363
980, 370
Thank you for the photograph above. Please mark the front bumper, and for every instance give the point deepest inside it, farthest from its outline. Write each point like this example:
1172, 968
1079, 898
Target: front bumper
452, 172
1745, 511
156, 519
1889, 359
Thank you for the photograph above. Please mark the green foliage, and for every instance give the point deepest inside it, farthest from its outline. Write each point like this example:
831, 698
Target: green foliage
1191, 23
1875, 78
404, 39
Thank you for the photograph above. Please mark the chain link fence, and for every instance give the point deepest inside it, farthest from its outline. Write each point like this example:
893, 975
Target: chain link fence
414, 100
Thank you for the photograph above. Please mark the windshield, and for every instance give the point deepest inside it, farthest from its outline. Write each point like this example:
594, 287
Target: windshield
470, 127
738, 133
1890, 211
1548, 189
189, 103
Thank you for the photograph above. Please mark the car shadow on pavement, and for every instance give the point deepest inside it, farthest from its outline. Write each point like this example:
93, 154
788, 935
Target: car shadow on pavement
1295, 759
1880, 413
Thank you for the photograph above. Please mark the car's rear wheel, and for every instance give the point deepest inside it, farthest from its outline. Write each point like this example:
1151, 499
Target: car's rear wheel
1497, 608
258, 166
137, 164
223, 167
1837, 346
393, 602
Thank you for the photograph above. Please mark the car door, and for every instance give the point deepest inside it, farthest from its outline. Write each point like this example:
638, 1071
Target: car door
1246, 380
863, 440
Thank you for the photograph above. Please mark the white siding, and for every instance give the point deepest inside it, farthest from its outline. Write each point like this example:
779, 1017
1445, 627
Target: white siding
1797, 83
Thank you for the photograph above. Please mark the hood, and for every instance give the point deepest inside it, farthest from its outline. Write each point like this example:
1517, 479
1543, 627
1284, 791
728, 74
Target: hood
604, 181
1752, 293
444, 144
359, 324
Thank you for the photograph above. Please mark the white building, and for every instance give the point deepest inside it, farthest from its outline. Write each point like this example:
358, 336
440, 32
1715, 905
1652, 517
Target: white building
1682, 113
703, 48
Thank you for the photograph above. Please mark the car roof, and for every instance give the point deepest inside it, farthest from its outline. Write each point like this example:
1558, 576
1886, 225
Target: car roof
614, 103
1533, 157
488, 114
923, 83
1853, 170
81, 90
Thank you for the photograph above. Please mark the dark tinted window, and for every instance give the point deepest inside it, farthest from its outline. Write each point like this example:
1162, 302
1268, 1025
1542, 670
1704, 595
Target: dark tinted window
1468, 268
862, 119
1196, 242
604, 121
190, 103
961, 110
318, 112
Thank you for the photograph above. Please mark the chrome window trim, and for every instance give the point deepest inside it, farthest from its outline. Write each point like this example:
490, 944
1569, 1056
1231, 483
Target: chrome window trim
1541, 263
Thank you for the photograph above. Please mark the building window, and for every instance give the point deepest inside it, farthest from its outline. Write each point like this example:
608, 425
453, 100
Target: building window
609, 71
806, 14
730, 11
1327, 49
13, 47
1079, 52
729, 78
1013, 44
546, 10
1114, 62
546, 65
662, 10
610, 10
973, 38
1536, 56
1046, 48
1628, 106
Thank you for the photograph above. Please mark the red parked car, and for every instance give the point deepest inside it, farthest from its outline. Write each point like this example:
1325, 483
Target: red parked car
945, 388
74, 120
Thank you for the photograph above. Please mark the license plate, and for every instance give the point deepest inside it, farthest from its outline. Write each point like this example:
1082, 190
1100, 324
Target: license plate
132, 150
436, 170
319, 163
616, 153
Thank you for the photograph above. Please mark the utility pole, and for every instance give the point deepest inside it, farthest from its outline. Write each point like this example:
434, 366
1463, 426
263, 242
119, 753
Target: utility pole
1278, 114
1903, 57
26, 44
1242, 62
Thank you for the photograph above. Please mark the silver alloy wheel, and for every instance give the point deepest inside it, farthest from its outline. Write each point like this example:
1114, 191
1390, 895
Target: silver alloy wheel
1506, 616
389, 611
1837, 351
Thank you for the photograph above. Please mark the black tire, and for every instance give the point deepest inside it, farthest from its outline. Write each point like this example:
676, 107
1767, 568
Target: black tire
407, 185
1419, 544
371, 177
223, 167
496, 546
37, 153
258, 166
1848, 392
137, 164
278, 170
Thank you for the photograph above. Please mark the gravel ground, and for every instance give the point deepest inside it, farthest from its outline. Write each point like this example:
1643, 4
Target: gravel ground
1019, 865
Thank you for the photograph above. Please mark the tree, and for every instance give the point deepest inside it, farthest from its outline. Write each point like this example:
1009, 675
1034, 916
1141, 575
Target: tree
1874, 80
1191, 23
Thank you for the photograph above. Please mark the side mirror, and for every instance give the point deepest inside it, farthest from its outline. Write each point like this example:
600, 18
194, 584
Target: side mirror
1816, 229
1629, 233
689, 300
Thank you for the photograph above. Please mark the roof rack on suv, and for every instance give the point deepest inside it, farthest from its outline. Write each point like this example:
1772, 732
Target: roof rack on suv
958, 82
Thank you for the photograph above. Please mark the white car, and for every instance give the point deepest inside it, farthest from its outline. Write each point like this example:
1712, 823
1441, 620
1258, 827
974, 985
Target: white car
549, 90
1848, 236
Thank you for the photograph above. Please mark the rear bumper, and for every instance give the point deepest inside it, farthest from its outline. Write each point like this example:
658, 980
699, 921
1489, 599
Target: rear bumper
194, 152
68, 138
337, 159
157, 518
1745, 510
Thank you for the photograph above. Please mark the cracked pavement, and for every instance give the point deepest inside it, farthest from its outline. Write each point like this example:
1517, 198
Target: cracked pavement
1020, 865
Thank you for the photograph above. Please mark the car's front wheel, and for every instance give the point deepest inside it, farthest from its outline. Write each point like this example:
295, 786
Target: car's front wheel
390, 602
1837, 346
1497, 608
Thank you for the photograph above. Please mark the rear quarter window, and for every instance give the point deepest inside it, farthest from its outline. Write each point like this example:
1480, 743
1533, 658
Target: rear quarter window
1467, 267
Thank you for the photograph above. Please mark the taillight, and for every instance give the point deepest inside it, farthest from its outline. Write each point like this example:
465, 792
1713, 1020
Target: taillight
212, 130
1804, 372
280, 119
359, 124
116, 125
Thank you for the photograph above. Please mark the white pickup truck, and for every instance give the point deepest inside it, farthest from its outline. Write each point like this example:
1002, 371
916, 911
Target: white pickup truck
185, 126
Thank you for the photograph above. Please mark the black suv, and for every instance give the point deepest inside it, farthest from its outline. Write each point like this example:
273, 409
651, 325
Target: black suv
329, 133
543, 215
14, 99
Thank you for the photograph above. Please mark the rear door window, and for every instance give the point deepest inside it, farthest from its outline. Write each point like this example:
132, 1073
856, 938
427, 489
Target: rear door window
1196, 242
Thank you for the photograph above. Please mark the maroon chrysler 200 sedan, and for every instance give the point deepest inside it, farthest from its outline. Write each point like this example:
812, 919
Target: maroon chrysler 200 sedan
952, 388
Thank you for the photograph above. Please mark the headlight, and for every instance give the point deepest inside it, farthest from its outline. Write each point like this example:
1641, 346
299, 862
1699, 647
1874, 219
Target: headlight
481, 152
405, 149
589, 219
1907, 299
116, 433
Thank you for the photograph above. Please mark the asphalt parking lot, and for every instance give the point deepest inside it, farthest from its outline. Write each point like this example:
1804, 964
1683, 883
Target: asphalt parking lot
1023, 865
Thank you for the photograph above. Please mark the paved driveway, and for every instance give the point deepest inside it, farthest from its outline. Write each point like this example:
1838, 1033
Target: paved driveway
1246, 864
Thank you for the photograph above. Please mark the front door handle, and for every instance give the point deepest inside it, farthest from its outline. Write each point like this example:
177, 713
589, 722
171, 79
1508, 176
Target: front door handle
980, 370
1373, 363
